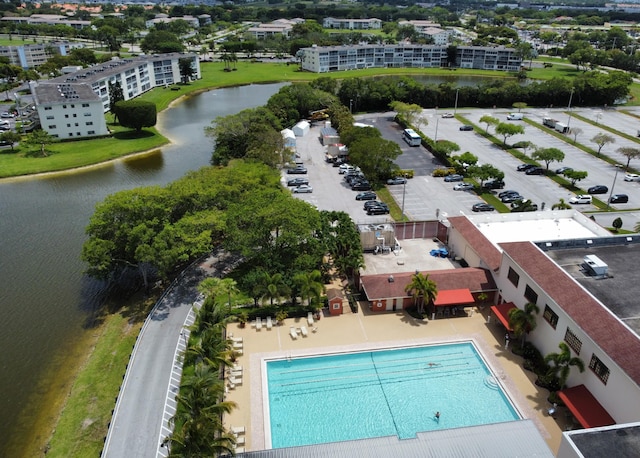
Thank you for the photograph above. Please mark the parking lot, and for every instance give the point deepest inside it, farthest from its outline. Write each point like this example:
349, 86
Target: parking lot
427, 197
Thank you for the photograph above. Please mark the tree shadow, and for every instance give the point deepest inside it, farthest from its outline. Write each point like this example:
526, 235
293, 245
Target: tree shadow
133, 134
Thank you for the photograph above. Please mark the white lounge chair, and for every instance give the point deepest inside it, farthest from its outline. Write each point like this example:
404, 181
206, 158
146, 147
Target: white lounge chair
269, 322
235, 381
237, 368
293, 332
236, 339
303, 331
237, 430
235, 374
310, 318
237, 345
230, 385
239, 449
239, 440
258, 323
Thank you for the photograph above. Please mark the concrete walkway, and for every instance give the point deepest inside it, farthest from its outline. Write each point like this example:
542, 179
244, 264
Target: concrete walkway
146, 400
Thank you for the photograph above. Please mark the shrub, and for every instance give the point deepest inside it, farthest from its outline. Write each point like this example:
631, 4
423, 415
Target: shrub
443, 172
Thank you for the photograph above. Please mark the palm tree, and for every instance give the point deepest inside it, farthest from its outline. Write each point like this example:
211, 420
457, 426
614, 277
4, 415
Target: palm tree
562, 205
310, 285
230, 287
272, 287
422, 289
562, 363
523, 321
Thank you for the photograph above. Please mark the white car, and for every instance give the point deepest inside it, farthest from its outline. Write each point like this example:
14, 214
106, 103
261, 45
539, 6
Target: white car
631, 177
463, 187
581, 199
303, 188
344, 168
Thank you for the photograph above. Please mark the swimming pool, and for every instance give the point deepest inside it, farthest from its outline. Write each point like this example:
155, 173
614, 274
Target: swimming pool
350, 396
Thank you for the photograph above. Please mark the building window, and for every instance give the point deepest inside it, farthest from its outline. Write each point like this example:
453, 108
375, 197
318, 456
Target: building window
52, 126
599, 369
47, 108
573, 341
91, 132
64, 106
50, 117
550, 316
90, 123
85, 105
66, 116
513, 277
75, 115
530, 295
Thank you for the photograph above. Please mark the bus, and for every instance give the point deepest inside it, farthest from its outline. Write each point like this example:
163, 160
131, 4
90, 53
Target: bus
411, 137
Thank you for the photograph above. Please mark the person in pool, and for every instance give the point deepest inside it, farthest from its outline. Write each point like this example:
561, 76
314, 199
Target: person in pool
437, 416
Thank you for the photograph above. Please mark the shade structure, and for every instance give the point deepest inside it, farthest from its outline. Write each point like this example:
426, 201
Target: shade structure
453, 297
587, 410
502, 312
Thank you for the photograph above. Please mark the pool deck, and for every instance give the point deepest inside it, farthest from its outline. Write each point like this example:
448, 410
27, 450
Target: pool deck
367, 330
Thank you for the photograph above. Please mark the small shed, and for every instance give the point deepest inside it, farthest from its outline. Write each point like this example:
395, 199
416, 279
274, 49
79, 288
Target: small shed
301, 129
289, 138
335, 298
329, 136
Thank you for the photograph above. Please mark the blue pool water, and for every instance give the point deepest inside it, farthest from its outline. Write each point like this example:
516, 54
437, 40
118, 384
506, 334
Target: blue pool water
381, 393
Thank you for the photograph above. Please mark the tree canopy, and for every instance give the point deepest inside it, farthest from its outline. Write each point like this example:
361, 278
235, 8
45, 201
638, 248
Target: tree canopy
136, 113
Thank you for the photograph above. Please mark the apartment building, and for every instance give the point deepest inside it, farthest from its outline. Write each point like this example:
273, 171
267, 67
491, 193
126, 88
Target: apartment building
336, 58
352, 24
281, 27
33, 55
73, 105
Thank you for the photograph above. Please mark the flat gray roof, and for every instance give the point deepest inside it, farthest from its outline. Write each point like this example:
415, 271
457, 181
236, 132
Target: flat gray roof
618, 291
517, 438
620, 441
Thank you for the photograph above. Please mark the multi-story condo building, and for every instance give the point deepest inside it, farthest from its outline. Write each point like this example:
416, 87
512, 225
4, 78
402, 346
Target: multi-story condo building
47, 19
32, 55
278, 27
429, 29
335, 58
73, 105
351, 24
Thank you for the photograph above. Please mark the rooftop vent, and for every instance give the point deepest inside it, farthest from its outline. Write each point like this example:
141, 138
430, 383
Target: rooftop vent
594, 265
391, 279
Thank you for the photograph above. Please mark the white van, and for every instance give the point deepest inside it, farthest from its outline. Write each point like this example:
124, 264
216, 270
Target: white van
515, 116
581, 199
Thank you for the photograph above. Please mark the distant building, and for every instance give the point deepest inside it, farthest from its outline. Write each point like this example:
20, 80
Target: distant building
73, 105
162, 18
335, 58
352, 24
281, 27
33, 55
47, 19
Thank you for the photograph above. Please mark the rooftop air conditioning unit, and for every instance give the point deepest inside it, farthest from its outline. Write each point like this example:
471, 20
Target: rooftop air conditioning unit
594, 265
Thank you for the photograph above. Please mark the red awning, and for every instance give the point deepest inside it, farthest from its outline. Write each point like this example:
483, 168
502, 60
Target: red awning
502, 312
587, 410
453, 297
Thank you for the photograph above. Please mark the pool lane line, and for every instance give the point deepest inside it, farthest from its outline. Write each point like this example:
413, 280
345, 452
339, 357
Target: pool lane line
386, 399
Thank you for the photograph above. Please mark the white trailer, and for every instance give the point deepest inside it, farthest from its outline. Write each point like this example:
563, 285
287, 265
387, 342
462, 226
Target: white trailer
562, 128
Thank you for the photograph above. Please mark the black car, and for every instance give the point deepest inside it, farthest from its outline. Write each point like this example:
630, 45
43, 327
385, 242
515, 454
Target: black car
535, 171
466, 127
599, 189
453, 178
482, 207
297, 182
378, 210
367, 195
299, 170
525, 167
374, 203
563, 170
361, 186
493, 184
619, 199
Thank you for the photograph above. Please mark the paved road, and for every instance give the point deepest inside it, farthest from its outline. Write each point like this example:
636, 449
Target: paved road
150, 381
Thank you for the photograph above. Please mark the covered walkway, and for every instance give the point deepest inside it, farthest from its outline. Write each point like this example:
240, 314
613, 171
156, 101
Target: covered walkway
586, 408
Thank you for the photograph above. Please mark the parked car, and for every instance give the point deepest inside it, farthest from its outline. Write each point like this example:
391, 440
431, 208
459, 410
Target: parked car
378, 210
581, 199
493, 184
511, 198
299, 170
344, 168
563, 170
463, 187
535, 171
598, 189
501, 194
361, 186
374, 203
525, 167
367, 195
453, 178
303, 189
447, 115
515, 116
397, 180
482, 207
6, 114
631, 177
619, 199
297, 182
466, 127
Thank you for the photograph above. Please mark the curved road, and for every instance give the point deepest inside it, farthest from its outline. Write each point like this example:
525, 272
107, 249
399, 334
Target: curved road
146, 399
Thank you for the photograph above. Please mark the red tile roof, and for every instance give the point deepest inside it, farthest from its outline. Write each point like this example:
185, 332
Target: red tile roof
474, 279
453, 297
476, 239
615, 339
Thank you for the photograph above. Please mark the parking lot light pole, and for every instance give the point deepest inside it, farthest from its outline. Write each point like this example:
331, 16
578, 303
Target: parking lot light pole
569, 107
404, 191
435, 138
455, 106
615, 177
